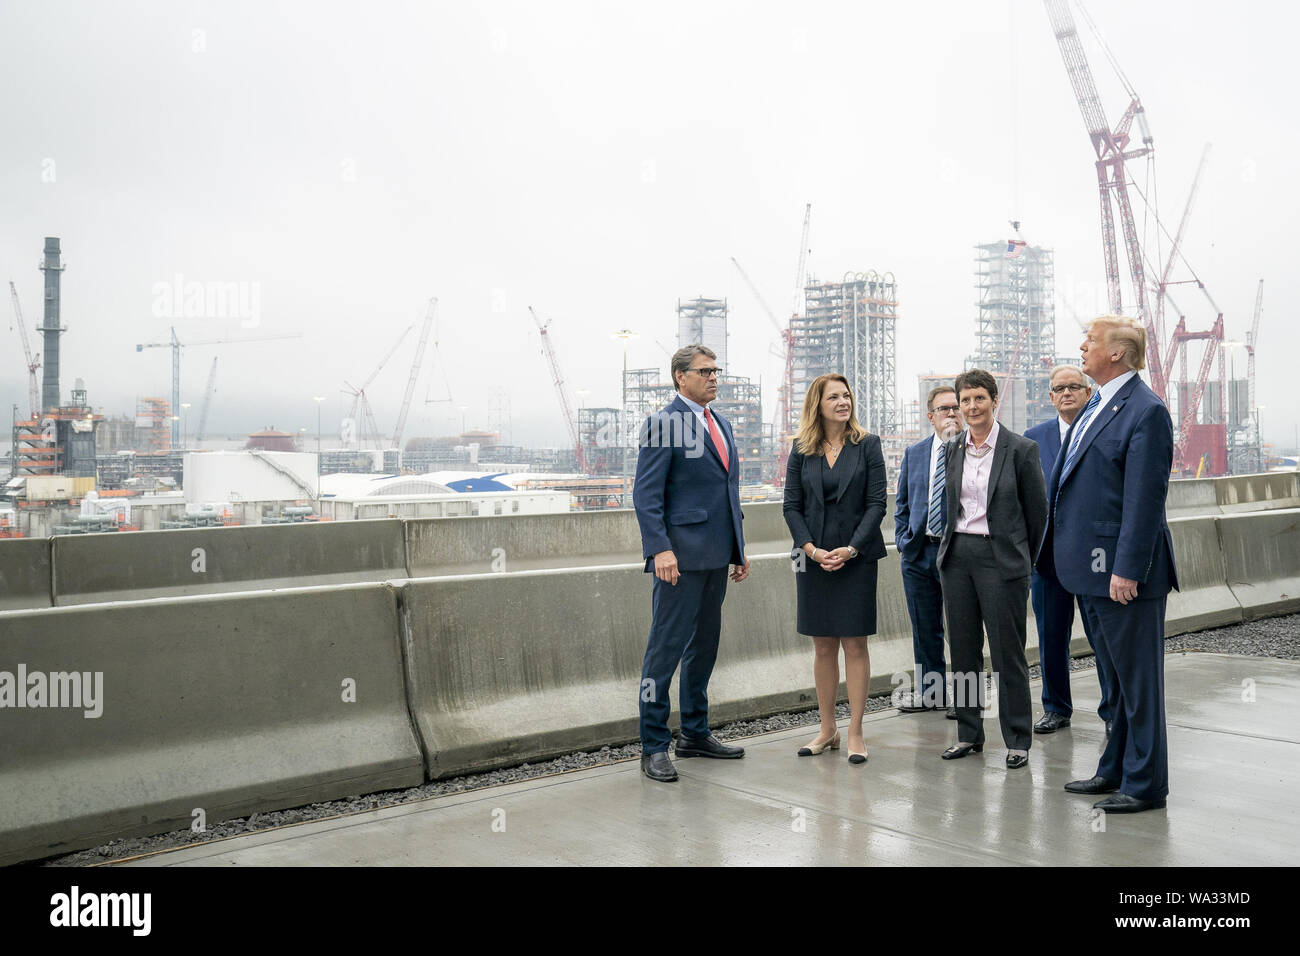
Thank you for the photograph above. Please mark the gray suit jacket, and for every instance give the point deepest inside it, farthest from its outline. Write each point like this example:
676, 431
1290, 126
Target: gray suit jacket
1017, 501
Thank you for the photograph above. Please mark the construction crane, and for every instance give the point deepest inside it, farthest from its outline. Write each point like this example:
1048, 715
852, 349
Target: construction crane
33, 361
1162, 287
415, 373
369, 428
548, 349
207, 404
1111, 147
785, 405
176, 345
1252, 340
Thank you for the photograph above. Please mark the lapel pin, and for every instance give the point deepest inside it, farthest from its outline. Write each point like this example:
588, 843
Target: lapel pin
1114, 408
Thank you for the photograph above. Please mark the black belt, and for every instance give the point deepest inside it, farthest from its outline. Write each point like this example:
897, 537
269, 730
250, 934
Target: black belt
934, 537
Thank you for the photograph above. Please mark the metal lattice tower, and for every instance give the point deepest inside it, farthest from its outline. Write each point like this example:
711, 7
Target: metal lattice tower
849, 327
1016, 327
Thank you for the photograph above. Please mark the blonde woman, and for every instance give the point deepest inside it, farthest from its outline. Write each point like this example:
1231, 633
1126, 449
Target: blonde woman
834, 504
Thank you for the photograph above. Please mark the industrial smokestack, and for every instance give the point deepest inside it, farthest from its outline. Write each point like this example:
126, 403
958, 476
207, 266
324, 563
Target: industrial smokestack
53, 269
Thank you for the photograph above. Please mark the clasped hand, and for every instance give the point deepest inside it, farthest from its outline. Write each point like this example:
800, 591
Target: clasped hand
832, 560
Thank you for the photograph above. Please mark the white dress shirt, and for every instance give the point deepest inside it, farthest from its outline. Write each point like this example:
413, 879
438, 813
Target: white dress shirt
1107, 392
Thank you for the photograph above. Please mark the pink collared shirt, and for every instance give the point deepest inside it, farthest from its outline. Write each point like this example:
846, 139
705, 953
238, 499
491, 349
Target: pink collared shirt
973, 517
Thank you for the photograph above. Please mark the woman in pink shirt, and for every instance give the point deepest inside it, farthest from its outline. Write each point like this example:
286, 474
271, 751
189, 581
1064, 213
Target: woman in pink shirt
997, 511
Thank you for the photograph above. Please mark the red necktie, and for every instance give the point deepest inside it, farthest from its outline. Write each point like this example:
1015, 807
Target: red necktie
718, 441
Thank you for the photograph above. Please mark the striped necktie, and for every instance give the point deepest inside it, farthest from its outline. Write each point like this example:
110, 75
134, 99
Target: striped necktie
935, 523
1077, 439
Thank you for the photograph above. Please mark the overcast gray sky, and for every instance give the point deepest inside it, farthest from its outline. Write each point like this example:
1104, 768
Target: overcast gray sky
599, 161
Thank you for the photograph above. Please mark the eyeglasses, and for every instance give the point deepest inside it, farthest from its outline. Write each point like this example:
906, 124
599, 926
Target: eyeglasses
946, 409
706, 372
1072, 387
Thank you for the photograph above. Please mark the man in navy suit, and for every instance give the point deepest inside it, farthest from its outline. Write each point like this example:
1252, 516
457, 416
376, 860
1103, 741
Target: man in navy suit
1107, 541
687, 498
1053, 604
920, 510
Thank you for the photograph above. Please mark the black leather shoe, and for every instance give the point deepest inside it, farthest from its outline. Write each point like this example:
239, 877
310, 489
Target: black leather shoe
709, 746
659, 767
1050, 723
1123, 803
1016, 761
952, 713
961, 750
1095, 785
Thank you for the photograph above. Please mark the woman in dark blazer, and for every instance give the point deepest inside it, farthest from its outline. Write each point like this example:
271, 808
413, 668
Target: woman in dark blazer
997, 512
834, 504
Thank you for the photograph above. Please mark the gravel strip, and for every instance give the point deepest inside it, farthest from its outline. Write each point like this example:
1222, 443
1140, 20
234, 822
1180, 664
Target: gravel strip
1271, 637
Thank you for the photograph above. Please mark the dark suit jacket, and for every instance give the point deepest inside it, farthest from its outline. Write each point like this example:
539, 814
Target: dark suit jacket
1110, 508
912, 501
1017, 501
1048, 438
861, 468
686, 501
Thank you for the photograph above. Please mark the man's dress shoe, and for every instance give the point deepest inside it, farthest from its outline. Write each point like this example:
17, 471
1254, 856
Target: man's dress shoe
952, 713
1050, 723
1016, 761
659, 767
1094, 785
709, 746
1123, 803
913, 704
961, 750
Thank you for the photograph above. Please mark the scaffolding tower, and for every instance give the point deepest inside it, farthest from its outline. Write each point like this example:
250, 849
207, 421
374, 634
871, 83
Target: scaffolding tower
703, 321
1016, 327
849, 327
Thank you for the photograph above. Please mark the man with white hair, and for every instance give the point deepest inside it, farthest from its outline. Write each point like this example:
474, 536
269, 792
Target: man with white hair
1053, 604
1107, 541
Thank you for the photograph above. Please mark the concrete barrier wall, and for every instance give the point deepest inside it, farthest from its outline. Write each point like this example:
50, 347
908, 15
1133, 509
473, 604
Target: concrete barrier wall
1191, 496
487, 689
1257, 492
1261, 553
229, 704
25, 573
132, 566
1204, 599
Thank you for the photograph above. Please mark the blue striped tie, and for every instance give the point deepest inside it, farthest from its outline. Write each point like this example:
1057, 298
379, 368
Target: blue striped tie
1077, 438
935, 523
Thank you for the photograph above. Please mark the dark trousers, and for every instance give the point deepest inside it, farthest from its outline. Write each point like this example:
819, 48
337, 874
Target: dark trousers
1131, 639
1054, 615
978, 597
924, 593
687, 618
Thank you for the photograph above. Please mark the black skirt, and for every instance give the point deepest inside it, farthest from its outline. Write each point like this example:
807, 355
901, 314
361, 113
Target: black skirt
837, 603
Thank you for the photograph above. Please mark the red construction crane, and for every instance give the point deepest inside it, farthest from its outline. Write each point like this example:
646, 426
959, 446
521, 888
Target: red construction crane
548, 349
1111, 147
415, 373
33, 362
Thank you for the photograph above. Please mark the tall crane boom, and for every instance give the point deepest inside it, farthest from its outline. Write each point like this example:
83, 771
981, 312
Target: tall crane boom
33, 363
415, 372
1111, 147
548, 349
207, 403
1252, 340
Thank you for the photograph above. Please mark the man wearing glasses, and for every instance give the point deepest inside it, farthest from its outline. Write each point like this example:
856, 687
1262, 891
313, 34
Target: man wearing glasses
687, 498
1053, 605
920, 510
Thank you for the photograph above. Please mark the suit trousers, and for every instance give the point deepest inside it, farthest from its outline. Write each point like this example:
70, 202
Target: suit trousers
684, 629
924, 594
1054, 616
977, 597
1130, 638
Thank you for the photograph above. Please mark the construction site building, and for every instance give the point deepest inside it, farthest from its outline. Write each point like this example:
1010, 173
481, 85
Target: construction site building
739, 401
600, 432
1016, 328
849, 327
702, 321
